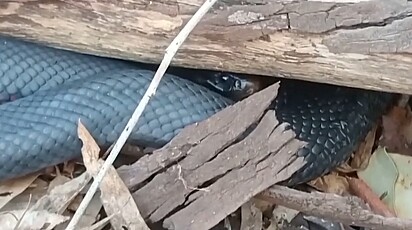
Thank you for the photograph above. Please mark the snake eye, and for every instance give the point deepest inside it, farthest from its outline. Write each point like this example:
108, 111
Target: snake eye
230, 82
230, 85
238, 85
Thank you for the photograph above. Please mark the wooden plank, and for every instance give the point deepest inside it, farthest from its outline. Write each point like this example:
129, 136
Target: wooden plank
360, 43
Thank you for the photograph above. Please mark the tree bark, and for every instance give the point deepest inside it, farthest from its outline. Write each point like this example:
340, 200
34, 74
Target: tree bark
360, 43
212, 168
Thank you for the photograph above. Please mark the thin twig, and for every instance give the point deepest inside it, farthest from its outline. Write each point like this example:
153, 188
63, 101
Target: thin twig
24, 213
169, 54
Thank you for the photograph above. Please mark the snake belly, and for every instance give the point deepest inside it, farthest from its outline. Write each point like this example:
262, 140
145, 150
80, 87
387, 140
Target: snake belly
45, 91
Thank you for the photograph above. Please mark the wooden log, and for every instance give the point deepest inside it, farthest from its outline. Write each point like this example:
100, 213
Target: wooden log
353, 43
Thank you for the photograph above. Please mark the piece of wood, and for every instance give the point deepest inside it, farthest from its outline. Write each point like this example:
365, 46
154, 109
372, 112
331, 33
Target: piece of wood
217, 132
353, 43
212, 168
349, 210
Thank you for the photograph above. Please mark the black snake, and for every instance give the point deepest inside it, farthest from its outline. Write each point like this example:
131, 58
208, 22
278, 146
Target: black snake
44, 91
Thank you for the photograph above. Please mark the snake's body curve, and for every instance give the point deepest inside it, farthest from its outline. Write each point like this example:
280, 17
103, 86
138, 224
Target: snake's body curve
45, 91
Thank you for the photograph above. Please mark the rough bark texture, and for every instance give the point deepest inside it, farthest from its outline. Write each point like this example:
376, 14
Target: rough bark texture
212, 168
359, 43
350, 210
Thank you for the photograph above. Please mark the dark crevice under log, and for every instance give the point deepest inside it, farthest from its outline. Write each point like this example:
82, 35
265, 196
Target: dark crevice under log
210, 169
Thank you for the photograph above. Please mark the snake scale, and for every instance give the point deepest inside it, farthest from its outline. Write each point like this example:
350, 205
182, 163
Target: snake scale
44, 91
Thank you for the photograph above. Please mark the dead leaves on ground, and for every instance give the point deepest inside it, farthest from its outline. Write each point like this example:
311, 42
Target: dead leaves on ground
34, 203
115, 196
394, 133
397, 133
337, 182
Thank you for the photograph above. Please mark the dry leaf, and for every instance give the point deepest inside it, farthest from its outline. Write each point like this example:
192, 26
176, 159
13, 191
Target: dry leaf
12, 188
33, 193
344, 168
115, 196
283, 215
331, 183
397, 131
58, 198
58, 180
361, 157
31, 220
75, 203
251, 217
91, 214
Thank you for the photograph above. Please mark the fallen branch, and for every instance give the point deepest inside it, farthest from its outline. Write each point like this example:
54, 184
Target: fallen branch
348, 210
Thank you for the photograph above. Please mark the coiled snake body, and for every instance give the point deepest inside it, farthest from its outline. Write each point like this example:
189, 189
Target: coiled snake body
44, 91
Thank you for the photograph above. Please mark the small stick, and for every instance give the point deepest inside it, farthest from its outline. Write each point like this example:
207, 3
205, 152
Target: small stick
169, 54
363, 191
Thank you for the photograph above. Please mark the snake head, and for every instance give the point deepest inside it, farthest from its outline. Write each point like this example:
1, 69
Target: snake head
235, 86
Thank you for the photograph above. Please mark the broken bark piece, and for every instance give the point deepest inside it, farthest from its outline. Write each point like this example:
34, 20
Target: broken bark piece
352, 43
349, 210
217, 132
243, 170
212, 168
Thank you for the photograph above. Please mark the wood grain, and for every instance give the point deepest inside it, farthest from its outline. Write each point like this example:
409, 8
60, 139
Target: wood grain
350, 210
353, 43
212, 168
